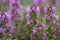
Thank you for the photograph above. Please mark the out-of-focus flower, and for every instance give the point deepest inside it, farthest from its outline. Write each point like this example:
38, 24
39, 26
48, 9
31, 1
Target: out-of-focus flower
44, 26
3, 30
28, 10
38, 2
4, 1
54, 21
8, 15
7, 25
27, 16
0, 16
59, 30
11, 3
12, 27
37, 10
44, 36
15, 4
29, 22
15, 7
11, 31
34, 30
48, 17
45, 9
54, 8
15, 19
54, 36
54, 16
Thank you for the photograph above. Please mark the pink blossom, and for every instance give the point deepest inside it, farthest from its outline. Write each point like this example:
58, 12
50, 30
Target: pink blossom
37, 10
27, 15
34, 30
28, 10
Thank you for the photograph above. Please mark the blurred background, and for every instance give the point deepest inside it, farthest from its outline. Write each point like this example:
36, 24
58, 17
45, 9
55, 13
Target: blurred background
4, 4
28, 2
25, 3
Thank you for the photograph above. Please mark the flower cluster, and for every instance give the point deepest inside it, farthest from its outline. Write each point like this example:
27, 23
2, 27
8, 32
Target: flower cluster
38, 22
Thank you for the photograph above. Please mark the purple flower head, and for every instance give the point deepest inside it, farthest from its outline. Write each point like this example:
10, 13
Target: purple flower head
8, 15
11, 31
45, 10
15, 4
18, 11
59, 30
45, 26
0, 16
54, 36
54, 15
48, 17
18, 1
4, 1
11, 3
7, 25
33, 8
3, 30
53, 8
39, 2
15, 19
54, 21
37, 10
29, 22
3, 16
27, 16
38, 24
44, 36
12, 27
28, 10
34, 30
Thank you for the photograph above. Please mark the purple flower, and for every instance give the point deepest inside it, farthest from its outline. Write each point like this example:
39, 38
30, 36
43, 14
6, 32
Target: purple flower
48, 17
4, 16
7, 25
54, 21
27, 16
12, 27
44, 36
54, 36
45, 10
8, 15
11, 3
15, 19
34, 30
29, 22
15, 4
37, 10
33, 8
45, 26
0, 16
11, 31
28, 10
4, 1
54, 15
39, 2
59, 30
54, 8
3, 30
